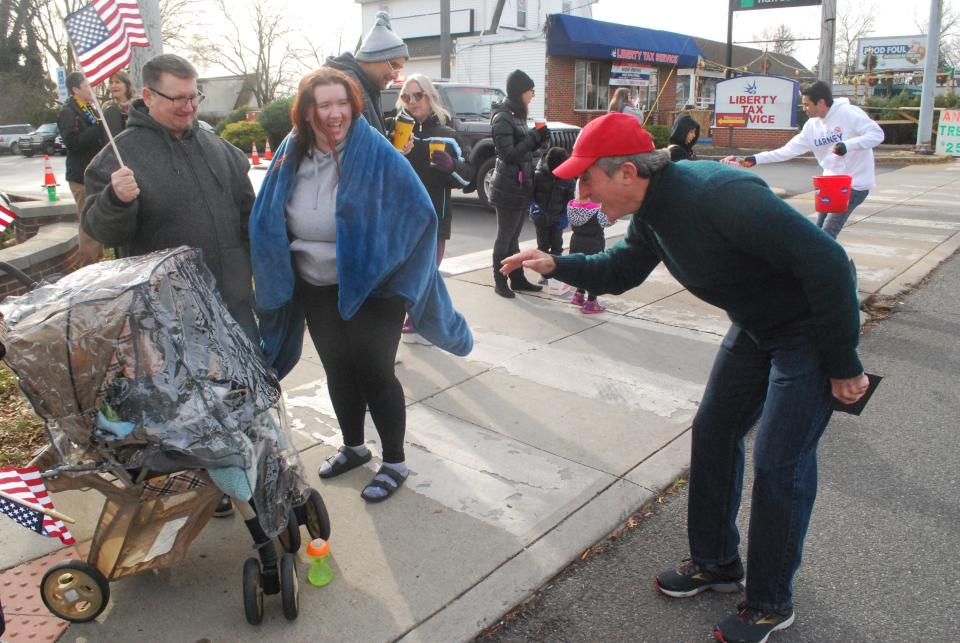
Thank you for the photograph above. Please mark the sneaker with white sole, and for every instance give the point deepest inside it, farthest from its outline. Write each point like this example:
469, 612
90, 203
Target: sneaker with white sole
752, 625
690, 578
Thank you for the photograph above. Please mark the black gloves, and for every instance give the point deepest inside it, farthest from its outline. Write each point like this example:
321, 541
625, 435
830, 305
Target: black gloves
541, 135
749, 161
840, 148
442, 161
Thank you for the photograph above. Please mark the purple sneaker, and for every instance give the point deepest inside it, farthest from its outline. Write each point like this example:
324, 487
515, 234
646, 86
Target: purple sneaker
592, 308
577, 299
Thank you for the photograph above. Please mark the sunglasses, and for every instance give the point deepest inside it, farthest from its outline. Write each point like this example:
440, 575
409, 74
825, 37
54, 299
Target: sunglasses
415, 97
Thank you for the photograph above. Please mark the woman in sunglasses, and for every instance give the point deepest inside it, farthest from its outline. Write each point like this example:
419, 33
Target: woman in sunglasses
343, 237
433, 151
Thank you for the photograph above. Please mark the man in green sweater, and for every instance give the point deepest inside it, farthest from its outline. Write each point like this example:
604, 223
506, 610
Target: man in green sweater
790, 293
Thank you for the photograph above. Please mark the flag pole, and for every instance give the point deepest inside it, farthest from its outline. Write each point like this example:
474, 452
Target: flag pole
53, 513
96, 103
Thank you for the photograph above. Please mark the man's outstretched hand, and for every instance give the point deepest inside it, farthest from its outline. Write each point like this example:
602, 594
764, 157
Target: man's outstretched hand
534, 259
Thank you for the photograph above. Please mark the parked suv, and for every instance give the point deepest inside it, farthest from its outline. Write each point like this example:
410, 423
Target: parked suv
470, 106
44, 140
10, 136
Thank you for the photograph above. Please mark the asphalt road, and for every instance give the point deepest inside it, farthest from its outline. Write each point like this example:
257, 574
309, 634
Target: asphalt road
881, 558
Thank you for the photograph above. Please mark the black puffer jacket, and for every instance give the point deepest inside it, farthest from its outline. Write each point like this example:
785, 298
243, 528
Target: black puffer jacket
82, 138
679, 148
512, 184
438, 183
552, 195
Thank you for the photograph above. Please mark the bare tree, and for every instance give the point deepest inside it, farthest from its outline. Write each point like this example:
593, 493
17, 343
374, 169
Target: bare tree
949, 33
49, 29
781, 39
853, 23
177, 17
254, 47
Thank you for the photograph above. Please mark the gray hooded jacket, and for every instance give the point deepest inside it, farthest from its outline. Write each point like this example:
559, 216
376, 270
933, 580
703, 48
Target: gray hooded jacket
193, 191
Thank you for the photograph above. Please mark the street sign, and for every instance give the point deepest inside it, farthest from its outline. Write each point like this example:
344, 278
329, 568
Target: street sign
731, 120
948, 132
746, 5
62, 84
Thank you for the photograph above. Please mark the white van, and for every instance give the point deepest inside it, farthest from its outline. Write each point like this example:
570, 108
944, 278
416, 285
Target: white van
10, 136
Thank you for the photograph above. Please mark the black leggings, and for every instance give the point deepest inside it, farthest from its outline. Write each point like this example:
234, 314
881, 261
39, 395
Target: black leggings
509, 226
358, 357
550, 239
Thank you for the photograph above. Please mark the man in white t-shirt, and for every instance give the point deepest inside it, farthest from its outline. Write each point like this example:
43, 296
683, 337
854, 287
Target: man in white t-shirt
842, 137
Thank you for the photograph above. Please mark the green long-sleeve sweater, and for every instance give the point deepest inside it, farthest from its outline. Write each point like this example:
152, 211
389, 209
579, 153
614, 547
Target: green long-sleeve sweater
731, 242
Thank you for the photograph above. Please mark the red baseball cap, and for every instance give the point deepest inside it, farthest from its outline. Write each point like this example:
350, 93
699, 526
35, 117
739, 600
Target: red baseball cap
615, 134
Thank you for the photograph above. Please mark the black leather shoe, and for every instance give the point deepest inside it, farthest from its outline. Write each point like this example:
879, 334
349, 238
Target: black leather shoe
224, 508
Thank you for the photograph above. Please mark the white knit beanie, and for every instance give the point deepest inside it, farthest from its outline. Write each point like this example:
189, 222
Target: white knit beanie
381, 43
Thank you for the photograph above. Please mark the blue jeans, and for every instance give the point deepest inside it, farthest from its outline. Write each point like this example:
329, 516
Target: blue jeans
776, 381
833, 223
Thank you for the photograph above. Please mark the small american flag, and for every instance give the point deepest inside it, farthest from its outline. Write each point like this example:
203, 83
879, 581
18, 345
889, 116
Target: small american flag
6, 214
27, 485
102, 34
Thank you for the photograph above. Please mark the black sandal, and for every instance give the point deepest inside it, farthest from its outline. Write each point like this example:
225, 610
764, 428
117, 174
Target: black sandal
353, 461
397, 477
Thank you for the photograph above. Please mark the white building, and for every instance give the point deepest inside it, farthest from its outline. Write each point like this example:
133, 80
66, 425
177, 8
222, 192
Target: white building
516, 42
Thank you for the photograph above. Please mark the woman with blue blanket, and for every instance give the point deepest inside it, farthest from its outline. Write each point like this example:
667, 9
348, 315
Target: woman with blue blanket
343, 240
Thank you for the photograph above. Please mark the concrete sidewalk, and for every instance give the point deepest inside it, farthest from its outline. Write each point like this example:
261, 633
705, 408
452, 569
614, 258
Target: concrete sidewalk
525, 453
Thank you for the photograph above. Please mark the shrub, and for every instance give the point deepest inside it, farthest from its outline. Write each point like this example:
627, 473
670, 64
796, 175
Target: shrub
275, 119
660, 135
243, 133
233, 117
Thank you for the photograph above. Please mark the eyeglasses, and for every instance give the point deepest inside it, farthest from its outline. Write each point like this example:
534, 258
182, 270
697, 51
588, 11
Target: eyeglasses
180, 101
395, 66
412, 98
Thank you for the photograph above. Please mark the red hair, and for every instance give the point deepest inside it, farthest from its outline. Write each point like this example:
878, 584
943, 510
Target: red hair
305, 103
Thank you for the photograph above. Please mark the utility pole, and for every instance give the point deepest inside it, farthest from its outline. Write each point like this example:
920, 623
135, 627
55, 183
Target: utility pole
828, 34
929, 80
729, 69
150, 10
445, 39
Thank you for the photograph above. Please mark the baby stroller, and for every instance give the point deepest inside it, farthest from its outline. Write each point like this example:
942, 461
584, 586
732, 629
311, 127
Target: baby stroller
154, 396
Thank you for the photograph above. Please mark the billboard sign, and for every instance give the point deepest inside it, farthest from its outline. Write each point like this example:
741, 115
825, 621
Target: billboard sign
896, 53
745, 5
764, 102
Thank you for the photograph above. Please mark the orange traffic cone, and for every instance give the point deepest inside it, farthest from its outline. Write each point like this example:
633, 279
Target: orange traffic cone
267, 152
49, 180
255, 156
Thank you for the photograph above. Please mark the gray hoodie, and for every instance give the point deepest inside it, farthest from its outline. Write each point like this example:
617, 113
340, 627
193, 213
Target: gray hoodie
193, 191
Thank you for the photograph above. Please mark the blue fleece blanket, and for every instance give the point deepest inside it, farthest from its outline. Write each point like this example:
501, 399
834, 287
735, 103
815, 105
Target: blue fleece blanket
386, 246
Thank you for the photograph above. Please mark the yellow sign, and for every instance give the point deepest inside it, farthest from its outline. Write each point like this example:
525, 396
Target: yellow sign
732, 120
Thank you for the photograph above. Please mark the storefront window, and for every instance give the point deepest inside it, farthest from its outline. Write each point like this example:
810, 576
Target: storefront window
683, 92
522, 13
708, 92
592, 85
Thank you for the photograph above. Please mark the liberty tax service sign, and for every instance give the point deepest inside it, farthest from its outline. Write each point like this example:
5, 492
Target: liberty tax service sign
948, 132
757, 102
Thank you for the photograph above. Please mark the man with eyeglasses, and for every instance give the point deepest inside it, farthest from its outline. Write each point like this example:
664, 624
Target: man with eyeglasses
376, 64
179, 185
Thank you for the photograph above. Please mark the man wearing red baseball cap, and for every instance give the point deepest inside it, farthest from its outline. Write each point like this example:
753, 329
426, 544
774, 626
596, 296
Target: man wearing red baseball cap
789, 291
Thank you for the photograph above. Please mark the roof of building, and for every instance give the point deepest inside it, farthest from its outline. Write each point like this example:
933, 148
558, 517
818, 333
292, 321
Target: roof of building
589, 38
714, 55
225, 94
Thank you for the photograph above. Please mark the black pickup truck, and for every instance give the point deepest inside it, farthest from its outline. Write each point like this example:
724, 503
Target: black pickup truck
470, 106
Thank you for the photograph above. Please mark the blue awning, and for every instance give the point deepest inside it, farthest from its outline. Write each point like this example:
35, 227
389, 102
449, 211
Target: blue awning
587, 38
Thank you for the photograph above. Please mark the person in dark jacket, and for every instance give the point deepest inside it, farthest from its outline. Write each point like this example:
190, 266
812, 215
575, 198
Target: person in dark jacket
512, 185
83, 136
551, 196
685, 133
117, 108
381, 56
433, 151
790, 351
587, 222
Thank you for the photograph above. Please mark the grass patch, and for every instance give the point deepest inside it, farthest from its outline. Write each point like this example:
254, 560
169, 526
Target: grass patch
21, 431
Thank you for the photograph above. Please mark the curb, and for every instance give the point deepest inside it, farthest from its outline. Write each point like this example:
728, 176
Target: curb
913, 275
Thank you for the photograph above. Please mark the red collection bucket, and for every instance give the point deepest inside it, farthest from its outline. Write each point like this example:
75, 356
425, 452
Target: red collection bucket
832, 193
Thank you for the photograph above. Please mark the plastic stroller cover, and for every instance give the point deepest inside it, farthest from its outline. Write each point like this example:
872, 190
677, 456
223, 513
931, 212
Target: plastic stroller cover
136, 363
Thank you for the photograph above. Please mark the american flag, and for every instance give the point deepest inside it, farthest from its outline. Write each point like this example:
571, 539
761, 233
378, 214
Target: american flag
27, 485
6, 214
102, 34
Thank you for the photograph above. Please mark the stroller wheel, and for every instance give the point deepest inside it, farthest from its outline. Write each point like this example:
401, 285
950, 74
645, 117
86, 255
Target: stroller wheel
252, 591
75, 591
289, 586
318, 520
290, 537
